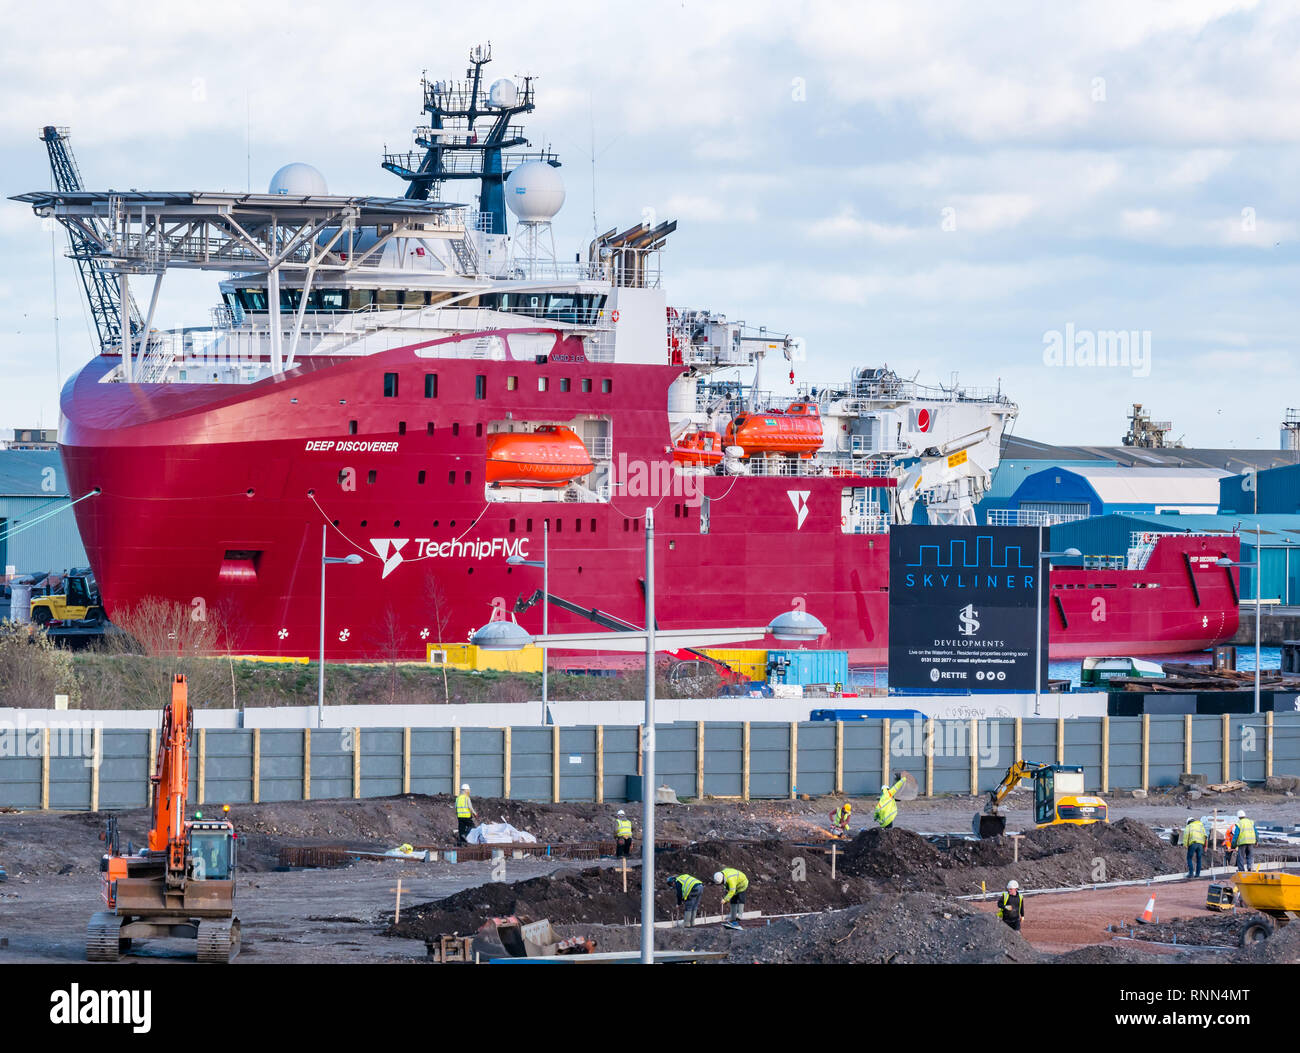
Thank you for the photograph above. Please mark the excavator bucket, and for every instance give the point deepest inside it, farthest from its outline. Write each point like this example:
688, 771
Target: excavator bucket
989, 825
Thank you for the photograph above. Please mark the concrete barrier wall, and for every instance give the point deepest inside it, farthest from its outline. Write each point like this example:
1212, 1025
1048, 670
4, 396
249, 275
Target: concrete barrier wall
76, 768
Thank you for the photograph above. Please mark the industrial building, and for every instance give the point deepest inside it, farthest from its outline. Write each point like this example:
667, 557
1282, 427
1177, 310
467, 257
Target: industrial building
33, 485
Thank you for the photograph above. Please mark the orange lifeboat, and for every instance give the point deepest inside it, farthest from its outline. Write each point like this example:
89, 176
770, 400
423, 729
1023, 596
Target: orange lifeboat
550, 456
796, 430
699, 448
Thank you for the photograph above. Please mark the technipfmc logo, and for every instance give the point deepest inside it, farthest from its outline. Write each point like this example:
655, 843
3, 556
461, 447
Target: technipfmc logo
968, 620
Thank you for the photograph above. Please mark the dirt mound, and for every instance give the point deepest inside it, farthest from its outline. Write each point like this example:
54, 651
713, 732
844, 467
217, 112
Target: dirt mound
1052, 857
1209, 930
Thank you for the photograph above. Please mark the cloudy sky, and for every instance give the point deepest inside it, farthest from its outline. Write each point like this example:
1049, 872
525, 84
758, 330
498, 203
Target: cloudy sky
942, 187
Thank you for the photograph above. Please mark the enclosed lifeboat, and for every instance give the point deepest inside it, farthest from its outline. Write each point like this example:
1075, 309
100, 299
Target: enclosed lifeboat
699, 448
550, 456
796, 430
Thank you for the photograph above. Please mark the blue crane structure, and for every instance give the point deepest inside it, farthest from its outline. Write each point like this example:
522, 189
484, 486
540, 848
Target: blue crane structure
102, 292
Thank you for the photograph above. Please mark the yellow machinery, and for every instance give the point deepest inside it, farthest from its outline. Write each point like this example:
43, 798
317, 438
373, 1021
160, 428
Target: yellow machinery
78, 601
1059, 798
1276, 895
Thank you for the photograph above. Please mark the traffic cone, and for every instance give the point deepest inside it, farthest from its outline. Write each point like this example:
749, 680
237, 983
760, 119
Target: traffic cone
1149, 915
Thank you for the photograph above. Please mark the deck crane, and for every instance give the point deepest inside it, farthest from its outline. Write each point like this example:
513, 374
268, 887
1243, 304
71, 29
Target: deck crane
102, 293
181, 884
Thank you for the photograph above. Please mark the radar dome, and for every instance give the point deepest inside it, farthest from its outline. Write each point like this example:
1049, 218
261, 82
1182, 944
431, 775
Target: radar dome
503, 93
298, 180
535, 191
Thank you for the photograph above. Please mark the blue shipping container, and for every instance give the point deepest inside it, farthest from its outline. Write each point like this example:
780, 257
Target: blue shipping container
808, 667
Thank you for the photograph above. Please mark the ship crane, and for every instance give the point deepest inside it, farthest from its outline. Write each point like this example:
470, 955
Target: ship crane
955, 481
102, 292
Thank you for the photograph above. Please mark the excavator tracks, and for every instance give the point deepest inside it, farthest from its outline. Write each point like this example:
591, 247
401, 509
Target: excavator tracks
104, 941
218, 941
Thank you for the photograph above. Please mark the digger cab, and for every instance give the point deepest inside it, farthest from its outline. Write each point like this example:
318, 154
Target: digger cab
212, 850
1060, 797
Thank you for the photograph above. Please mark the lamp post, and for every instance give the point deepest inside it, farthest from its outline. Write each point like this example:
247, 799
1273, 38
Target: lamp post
797, 626
1227, 563
325, 561
545, 564
1043, 559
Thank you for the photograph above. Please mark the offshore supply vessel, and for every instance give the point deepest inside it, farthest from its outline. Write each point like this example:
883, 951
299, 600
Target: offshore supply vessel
406, 380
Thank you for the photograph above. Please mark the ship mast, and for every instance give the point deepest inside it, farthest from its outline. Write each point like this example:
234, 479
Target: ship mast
468, 133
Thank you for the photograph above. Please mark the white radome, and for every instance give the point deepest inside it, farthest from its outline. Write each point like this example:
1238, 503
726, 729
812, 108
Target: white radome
298, 180
535, 191
503, 93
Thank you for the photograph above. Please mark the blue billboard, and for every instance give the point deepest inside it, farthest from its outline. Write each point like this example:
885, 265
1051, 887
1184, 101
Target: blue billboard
962, 614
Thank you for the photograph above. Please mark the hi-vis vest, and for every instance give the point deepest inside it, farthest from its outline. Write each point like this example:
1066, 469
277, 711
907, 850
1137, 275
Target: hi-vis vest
886, 808
462, 806
686, 885
1006, 898
1245, 832
735, 882
843, 815
622, 827
1194, 833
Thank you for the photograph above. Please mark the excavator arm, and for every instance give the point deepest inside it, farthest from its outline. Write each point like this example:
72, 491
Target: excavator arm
990, 822
171, 779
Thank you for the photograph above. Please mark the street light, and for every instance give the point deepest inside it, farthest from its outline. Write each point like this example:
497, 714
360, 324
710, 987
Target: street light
1226, 562
792, 625
325, 561
1044, 557
545, 564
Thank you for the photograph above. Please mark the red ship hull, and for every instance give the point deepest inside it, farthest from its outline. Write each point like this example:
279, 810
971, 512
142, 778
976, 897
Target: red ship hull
215, 496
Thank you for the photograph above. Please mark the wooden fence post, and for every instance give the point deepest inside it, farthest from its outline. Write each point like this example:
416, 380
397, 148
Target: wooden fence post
505, 762
45, 768
600, 763
256, 788
1268, 744
148, 767
1060, 740
555, 763
356, 762
794, 759
1187, 742
203, 764
744, 761
1146, 750
1105, 754
306, 764
455, 760
699, 760
406, 759
96, 760
927, 745
1225, 735
839, 756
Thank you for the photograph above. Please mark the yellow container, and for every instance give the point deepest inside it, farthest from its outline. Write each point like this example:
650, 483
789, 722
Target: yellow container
748, 662
470, 658
1273, 891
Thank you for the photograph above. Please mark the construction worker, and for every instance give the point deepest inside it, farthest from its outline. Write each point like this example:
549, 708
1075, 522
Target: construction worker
840, 820
1243, 839
1193, 837
737, 884
1227, 846
689, 891
465, 817
1011, 905
622, 834
886, 808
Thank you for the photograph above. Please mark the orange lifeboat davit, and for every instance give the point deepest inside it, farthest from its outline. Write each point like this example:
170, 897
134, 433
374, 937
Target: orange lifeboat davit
796, 430
699, 448
551, 456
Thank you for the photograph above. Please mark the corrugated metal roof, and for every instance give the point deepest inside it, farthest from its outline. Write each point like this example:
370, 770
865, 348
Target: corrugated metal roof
1156, 486
1016, 447
26, 473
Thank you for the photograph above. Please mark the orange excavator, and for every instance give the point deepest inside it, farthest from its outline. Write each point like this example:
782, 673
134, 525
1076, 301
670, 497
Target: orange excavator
182, 883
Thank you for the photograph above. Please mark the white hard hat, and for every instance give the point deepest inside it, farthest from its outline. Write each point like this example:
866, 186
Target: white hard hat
1013, 885
464, 786
717, 878
884, 789
621, 812
1241, 814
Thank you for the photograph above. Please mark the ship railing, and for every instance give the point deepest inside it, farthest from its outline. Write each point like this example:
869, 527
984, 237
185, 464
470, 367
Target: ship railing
1031, 517
600, 448
866, 523
793, 466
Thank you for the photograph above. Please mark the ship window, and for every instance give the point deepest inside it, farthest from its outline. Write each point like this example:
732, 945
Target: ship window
386, 297
401, 427
636, 525
352, 427
530, 526
480, 386
577, 525
512, 526
420, 479
593, 526
543, 383
467, 478
414, 298
326, 300
390, 385
455, 428
431, 385
478, 430
371, 476
451, 477
358, 299
564, 383
586, 384
512, 383
559, 525
429, 427
627, 525
704, 515
252, 299
343, 476
606, 385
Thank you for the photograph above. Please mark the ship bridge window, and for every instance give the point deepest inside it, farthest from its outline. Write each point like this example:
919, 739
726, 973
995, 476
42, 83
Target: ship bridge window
565, 383
543, 383
606, 386
390, 385
431, 385
586, 384
480, 386
252, 299
578, 308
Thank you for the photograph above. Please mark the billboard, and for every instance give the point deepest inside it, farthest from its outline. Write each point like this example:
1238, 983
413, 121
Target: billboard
962, 611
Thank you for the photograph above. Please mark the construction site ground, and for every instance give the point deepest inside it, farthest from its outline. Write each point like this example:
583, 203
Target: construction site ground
893, 896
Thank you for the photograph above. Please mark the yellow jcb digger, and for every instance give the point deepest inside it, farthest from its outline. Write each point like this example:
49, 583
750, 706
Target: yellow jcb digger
1059, 798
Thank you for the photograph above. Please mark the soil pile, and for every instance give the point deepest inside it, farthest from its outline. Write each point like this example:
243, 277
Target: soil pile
1053, 857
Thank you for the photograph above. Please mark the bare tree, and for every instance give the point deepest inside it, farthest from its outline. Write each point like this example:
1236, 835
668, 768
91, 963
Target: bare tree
440, 617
